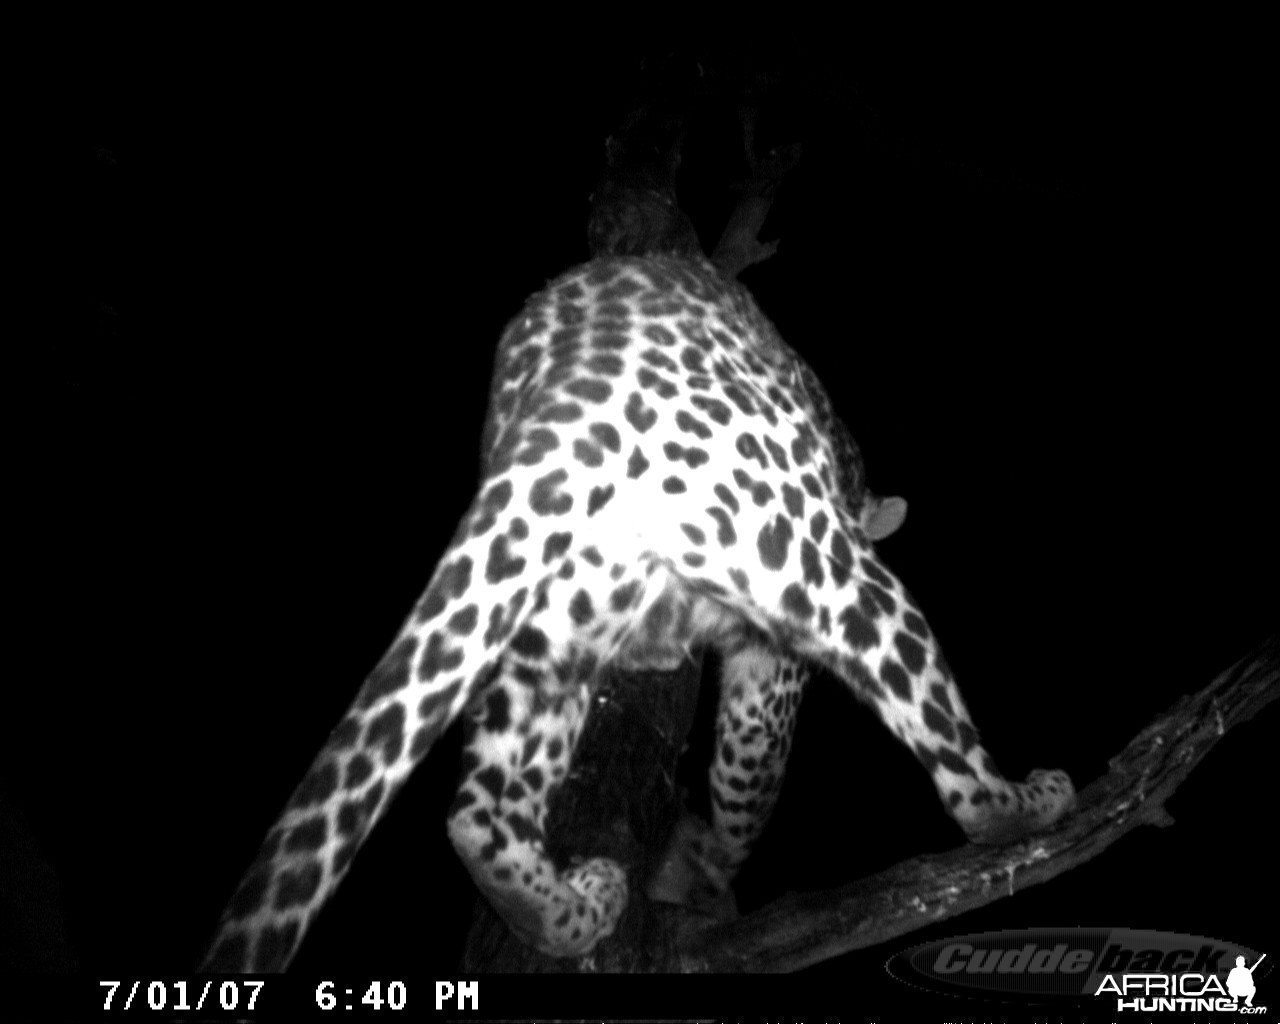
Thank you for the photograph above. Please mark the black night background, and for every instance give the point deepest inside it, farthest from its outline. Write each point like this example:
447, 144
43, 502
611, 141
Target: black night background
1027, 267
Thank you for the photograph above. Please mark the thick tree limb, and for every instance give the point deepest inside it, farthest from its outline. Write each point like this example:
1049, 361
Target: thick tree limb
803, 929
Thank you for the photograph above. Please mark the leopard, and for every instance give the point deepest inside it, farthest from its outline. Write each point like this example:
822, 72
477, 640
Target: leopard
662, 476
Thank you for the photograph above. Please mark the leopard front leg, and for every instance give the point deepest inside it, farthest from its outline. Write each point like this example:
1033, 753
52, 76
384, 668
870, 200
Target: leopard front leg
760, 691
522, 739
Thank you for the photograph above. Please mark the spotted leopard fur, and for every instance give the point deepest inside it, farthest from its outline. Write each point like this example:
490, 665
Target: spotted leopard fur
661, 473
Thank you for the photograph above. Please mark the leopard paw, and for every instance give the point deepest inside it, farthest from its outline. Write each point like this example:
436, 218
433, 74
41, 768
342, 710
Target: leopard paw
693, 872
1043, 799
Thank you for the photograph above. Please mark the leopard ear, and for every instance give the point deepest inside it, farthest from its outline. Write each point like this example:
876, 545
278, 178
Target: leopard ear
883, 516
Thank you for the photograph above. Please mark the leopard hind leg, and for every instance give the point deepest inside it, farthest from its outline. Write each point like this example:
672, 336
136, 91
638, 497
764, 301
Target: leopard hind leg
837, 605
521, 742
524, 727
879, 643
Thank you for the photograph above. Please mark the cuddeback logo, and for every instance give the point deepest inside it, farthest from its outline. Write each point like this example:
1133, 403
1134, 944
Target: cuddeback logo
1130, 970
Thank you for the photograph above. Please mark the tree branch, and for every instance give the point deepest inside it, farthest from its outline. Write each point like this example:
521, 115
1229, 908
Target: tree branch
740, 245
806, 928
